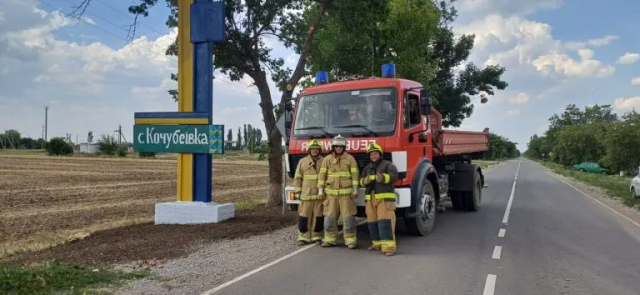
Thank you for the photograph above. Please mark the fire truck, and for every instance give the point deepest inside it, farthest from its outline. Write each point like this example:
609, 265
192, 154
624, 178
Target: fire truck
434, 164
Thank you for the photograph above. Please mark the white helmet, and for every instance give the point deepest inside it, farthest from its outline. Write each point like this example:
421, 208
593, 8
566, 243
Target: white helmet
339, 141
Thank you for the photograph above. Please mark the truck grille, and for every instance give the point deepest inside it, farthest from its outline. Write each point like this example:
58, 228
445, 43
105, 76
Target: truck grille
361, 158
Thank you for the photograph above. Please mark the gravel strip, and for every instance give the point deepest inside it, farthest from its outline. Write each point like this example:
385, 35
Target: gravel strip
215, 264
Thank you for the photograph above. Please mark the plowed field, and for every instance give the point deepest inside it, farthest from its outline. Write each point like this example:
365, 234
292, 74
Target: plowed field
45, 201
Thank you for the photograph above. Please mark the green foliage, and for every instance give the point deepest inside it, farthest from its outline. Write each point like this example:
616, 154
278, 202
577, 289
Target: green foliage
122, 151
10, 139
57, 146
108, 145
55, 277
614, 186
501, 148
594, 134
362, 35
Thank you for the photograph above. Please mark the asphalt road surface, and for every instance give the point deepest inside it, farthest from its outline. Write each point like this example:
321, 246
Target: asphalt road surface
553, 240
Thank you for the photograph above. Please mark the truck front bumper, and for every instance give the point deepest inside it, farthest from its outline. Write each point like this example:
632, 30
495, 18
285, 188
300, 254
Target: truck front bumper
403, 197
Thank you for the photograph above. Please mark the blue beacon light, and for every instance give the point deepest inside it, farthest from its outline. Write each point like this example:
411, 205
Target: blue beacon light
388, 70
322, 77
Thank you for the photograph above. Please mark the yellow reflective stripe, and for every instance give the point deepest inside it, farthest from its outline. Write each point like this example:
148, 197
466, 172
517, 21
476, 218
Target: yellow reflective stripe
354, 183
387, 178
297, 189
362, 182
298, 175
320, 183
377, 243
308, 197
336, 192
339, 174
388, 244
310, 176
381, 196
323, 170
354, 170
372, 177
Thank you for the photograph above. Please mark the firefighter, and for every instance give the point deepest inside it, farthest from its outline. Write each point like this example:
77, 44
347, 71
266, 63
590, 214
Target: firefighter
305, 182
338, 180
377, 178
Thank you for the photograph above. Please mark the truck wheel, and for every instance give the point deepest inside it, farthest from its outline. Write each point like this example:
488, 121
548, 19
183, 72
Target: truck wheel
456, 201
473, 199
422, 225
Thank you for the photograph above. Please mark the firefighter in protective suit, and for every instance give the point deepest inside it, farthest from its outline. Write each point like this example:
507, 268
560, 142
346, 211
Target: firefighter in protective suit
338, 180
377, 178
305, 182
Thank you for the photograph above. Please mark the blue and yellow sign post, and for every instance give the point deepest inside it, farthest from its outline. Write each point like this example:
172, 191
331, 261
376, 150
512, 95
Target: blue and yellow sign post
200, 23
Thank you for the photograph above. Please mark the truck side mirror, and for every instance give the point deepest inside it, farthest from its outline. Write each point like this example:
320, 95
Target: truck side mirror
425, 101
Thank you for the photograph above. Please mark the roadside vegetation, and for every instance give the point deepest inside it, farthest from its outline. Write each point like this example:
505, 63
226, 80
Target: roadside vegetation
54, 276
597, 135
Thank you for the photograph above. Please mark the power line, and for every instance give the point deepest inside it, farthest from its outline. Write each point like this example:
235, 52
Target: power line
153, 43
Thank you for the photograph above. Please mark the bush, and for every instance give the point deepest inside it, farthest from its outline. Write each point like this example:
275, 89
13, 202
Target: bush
58, 147
122, 151
108, 145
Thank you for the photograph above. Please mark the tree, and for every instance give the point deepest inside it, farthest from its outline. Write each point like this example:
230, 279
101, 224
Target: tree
244, 52
239, 142
417, 37
11, 139
229, 138
57, 146
501, 148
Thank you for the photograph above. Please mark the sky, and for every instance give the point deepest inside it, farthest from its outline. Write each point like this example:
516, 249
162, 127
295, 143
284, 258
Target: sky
555, 52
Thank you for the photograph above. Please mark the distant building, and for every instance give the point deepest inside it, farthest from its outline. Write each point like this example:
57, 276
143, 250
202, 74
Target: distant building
88, 148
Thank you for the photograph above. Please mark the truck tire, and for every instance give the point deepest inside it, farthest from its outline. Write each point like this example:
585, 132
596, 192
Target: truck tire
422, 224
473, 199
456, 201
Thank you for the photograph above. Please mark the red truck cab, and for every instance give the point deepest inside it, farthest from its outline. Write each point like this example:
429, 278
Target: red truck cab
398, 115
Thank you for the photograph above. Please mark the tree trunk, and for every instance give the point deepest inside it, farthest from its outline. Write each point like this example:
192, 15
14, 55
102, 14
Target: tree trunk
274, 196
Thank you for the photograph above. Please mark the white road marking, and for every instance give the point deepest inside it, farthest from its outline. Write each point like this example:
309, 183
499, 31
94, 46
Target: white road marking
507, 211
501, 233
490, 285
497, 251
261, 268
594, 199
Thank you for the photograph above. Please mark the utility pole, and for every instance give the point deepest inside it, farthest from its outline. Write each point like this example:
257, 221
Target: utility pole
119, 134
46, 121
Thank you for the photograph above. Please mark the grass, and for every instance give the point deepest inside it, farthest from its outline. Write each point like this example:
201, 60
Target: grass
55, 277
247, 205
486, 164
11, 152
615, 186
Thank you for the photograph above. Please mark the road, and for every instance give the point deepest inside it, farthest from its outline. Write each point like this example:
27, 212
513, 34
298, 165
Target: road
553, 240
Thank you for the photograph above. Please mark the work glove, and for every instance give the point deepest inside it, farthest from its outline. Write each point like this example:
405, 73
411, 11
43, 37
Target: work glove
379, 177
354, 193
321, 192
297, 196
367, 180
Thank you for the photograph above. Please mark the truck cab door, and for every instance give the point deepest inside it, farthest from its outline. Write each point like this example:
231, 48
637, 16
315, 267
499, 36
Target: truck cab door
413, 125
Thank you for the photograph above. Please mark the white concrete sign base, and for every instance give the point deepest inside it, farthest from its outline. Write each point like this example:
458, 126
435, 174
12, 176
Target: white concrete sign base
192, 212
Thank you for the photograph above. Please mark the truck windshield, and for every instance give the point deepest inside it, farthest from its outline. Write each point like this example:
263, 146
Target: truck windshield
354, 113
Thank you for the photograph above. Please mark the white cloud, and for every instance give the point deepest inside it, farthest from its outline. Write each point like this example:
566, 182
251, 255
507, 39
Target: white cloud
234, 111
606, 40
513, 113
629, 58
635, 81
520, 98
627, 103
564, 64
96, 86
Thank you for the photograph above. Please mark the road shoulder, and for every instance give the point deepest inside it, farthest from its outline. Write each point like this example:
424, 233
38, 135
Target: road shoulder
600, 197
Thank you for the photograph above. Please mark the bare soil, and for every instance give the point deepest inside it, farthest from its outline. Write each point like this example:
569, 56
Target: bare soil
49, 201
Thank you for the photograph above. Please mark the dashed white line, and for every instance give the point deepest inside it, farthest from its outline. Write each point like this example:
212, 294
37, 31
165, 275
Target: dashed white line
501, 233
497, 251
490, 285
505, 219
